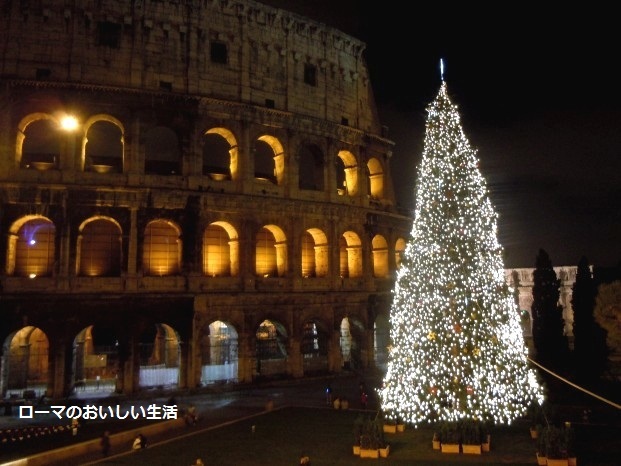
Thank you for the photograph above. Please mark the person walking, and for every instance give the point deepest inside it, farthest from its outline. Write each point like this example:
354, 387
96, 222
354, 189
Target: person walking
364, 399
328, 394
105, 443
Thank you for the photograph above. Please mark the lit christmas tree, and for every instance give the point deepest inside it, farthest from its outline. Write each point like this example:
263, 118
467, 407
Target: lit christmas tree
457, 347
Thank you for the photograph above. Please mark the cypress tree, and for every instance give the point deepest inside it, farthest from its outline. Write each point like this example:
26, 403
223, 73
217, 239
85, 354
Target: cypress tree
548, 323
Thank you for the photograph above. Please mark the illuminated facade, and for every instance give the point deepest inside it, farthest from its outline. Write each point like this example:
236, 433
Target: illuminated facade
191, 193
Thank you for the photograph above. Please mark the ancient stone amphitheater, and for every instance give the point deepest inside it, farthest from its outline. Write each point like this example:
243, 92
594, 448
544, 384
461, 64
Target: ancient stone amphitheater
191, 193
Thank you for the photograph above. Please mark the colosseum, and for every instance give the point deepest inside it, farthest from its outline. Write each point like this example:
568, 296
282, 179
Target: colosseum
192, 193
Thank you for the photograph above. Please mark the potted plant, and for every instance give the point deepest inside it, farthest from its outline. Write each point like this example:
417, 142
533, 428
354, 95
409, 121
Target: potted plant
486, 437
541, 446
471, 437
556, 446
449, 437
369, 446
435, 442
378, 438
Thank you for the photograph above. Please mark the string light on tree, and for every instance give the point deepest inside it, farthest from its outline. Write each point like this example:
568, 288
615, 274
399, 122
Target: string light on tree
457, 349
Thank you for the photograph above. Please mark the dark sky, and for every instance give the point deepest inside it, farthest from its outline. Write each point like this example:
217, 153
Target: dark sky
539, 93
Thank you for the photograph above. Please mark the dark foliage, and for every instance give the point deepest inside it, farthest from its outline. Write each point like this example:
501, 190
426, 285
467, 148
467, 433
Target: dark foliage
590, 351
548, 323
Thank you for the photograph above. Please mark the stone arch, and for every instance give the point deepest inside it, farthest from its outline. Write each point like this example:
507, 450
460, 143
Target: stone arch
220, 250
349, 173
351, 342
271, 342
103, 144
25, 363
315, 253
95, 360
270, 252
219, 354
269, 159
99, 247
41, 148
314, 347
162, 248
31, 247
375, 173
159, 350
380, 257
220, 154
400, 246
350, 255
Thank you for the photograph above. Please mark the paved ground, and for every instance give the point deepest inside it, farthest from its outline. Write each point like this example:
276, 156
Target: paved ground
215, 406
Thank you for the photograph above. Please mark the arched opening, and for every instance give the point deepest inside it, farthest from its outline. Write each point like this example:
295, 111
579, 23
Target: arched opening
380, 257
270, 252
104, 147
31, 248
219, 352
376, 179
99, 248
314, 348
349, 166
216, 156
41, 144
160, 357
95, 360
271, 349
162, 249
220, 250
314, 253
399, 251
350, 254
350, 344
25, 363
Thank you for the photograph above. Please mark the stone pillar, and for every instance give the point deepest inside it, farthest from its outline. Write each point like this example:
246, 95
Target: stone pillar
335, 357
295, 360
245, 357
59, 372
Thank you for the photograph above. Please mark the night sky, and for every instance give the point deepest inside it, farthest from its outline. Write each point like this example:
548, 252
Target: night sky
539, 93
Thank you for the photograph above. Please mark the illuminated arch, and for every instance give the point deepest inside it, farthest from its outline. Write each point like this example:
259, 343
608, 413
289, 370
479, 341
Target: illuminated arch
399, 251
160, 357
101, 153
347, 173
351, 334
269, 159
219, 354
380, 257
271, 348
315, 253
270, 252
99, 247
214, 161
314, 347
25, 362
46, 141
376, 178
350, 255
161, 248
95, 360
220, 250
31, 247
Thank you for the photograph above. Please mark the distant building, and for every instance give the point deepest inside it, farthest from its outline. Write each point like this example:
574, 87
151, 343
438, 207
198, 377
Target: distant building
191, 193
523, 278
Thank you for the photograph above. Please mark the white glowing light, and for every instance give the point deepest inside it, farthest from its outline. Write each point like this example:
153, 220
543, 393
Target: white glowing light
32, 275
69, 123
